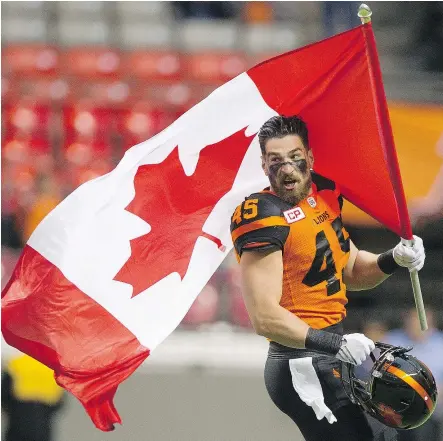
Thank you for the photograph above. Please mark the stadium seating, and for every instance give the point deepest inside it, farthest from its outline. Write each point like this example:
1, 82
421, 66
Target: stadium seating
87, 102
202, 35
148, 35
79, 32
214, 68
271, 38
30, 60
24, 29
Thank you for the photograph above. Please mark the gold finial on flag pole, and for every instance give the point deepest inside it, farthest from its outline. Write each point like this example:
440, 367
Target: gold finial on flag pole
364, 12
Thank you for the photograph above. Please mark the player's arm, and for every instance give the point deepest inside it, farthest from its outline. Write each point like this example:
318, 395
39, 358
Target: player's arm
262, 277
366, 270
362, 270
262, 274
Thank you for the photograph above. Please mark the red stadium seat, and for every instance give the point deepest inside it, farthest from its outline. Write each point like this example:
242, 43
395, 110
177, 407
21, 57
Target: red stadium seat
43, 90
171, 95
160, 66
214, 68
175, 97
86, 120
141, 122
16, 151
30, 60
101, 92
87, 62
24, 150
79, 153
30, 118
204, 309
83, 152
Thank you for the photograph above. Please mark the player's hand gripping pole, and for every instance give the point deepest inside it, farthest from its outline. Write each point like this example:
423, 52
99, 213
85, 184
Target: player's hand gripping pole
417, 292
365, 13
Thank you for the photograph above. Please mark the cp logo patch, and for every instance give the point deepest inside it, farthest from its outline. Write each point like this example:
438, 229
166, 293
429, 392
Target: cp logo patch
294, 215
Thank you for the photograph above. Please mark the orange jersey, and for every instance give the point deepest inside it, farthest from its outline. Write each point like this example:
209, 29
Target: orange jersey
314, 243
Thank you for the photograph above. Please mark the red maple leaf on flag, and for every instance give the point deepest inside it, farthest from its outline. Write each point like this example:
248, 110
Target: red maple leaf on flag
176, 207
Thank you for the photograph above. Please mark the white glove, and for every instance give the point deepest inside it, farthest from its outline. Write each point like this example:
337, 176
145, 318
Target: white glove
355, 349
413, 257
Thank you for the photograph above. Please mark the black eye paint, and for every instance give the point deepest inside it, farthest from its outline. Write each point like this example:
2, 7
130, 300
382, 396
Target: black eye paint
299, 164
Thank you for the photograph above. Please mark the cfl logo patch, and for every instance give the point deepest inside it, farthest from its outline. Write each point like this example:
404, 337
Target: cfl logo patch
294, 215
311, 202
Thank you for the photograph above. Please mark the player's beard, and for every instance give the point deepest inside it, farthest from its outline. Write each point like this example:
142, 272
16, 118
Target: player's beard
303, 182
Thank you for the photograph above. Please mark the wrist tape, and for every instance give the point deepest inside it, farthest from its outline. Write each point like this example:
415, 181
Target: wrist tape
387, 263
323, 341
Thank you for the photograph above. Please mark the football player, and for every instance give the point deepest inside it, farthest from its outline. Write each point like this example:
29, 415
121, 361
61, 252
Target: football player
297, 261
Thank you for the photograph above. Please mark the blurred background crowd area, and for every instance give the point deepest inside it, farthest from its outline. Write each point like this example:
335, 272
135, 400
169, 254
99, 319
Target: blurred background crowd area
84, 81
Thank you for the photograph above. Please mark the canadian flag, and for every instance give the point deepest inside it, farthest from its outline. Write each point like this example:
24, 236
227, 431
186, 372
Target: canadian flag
114, 268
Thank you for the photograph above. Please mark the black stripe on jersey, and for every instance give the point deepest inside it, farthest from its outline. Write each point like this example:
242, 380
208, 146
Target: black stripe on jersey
270, 238
273, 199
323, 183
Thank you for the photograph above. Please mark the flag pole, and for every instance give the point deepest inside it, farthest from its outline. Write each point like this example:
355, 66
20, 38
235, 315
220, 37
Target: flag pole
365, 13
417, 292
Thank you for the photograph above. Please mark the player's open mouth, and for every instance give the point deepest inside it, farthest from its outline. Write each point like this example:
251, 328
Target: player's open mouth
289, 184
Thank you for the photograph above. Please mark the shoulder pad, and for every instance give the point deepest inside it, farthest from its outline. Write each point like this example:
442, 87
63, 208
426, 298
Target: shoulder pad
258, 223
258, 206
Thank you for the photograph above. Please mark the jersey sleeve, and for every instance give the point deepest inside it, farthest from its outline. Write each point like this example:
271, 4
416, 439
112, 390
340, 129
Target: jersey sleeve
258, 225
